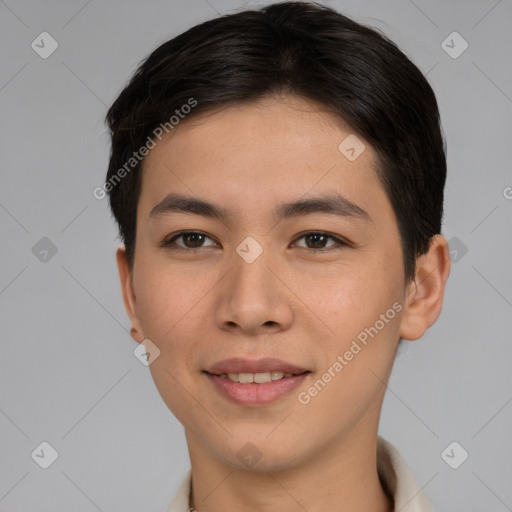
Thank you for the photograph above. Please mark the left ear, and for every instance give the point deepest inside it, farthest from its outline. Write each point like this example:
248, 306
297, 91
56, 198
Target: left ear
424, 297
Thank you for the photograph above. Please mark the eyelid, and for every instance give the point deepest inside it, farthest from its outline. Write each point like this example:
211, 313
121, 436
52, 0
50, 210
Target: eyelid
340, 242
170, 240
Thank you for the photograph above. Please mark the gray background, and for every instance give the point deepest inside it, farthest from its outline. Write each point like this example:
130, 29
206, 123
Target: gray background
68, 375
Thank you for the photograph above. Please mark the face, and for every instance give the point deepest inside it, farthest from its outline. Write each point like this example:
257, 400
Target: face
319, 288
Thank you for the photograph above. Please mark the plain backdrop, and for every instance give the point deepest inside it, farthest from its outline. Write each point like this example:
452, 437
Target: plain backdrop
68, 375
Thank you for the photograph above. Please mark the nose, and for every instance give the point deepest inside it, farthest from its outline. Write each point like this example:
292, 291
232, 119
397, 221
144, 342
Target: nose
253, 298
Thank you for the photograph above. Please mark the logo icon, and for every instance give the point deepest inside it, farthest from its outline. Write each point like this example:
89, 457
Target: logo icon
249, 455
146, 352
454, 45
454, 455
44, 455
44, 250
44, 45
249, 249
457, 249
351, 147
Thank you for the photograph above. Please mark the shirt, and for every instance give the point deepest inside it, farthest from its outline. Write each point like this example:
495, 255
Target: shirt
396, 478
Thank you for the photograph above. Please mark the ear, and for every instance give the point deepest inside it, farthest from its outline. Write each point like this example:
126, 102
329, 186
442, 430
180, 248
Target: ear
128, 294
424, 296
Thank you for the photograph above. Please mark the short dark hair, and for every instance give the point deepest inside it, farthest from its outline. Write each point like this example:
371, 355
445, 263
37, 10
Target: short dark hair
301, 48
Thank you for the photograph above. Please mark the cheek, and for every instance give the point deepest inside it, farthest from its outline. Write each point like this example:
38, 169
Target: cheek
168, 299
357, 363
361, 308
171, 384
168, 304
347, 297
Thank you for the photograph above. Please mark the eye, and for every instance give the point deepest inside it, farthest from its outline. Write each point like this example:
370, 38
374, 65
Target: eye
191, 239
195, 240
318, 239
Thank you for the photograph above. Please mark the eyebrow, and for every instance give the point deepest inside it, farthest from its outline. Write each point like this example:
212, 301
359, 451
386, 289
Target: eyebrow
335, 204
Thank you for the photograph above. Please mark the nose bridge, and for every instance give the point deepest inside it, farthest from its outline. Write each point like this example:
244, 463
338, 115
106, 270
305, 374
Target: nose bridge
252, 297
250, 268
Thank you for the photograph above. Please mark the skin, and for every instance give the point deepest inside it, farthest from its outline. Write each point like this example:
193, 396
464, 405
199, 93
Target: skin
294, 302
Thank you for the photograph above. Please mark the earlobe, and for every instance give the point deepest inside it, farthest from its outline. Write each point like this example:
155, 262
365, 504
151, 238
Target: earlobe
424, 298
128, 294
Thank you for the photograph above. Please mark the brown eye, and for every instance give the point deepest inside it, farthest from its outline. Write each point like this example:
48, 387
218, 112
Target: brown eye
319, 240
190, 240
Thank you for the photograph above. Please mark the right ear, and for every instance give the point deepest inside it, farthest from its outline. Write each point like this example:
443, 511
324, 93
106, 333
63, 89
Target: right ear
129, 298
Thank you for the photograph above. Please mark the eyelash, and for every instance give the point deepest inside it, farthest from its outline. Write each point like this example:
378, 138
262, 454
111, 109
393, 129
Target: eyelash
170, 242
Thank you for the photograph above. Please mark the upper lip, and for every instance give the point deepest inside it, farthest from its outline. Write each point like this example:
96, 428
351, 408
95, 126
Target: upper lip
241, 365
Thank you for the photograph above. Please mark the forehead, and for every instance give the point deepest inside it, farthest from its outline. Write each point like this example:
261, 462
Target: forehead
254, 155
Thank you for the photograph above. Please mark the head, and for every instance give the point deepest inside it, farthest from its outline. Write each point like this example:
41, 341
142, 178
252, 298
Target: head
287, 120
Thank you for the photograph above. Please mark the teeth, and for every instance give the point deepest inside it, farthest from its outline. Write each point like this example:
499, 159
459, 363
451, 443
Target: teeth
246, 378
258, 378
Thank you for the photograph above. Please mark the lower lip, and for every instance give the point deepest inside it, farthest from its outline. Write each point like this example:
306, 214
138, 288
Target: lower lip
256, 394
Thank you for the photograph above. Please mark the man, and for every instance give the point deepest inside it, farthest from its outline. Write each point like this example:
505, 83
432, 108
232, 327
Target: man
277, 177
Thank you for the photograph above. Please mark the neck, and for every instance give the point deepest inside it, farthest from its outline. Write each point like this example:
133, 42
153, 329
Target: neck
343, 478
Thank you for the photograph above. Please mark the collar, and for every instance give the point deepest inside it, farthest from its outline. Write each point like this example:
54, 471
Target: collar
395, 476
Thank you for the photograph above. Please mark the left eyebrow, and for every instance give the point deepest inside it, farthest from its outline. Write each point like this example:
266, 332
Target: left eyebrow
335, 204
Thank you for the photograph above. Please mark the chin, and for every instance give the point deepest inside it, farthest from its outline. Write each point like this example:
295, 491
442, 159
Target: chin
260, 453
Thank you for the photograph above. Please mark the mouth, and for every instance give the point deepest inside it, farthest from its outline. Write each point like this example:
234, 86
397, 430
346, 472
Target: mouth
255, 383
256, 378
260, 371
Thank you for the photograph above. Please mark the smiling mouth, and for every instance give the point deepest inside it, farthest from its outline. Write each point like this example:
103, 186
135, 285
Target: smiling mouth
256, 378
